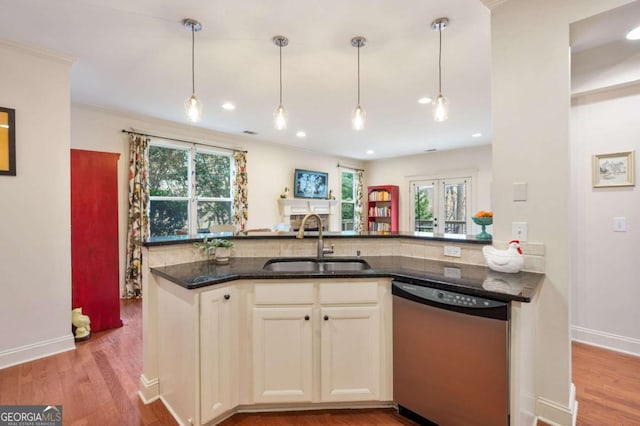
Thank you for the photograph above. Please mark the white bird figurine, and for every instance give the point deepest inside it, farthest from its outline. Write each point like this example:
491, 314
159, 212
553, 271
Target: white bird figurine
510, 260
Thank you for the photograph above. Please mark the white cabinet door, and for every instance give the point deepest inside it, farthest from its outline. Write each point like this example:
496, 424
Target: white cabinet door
282, 357
350, 353
217, 352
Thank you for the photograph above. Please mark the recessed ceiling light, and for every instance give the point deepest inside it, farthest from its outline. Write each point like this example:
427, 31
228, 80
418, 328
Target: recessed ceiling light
228, 106
634, 34
370, 151
476, 135
425, 100
301, 134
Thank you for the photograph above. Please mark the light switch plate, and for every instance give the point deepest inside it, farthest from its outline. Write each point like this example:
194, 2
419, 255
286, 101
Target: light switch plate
519, 231
519, 191
620, 224
452, 251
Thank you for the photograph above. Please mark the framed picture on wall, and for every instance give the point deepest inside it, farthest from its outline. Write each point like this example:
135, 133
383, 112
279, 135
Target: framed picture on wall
7, 141
308, 184
613, 169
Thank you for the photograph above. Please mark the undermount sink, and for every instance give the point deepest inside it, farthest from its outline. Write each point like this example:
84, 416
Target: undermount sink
293, 264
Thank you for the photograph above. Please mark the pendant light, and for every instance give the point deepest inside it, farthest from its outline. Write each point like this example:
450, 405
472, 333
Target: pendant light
440, 104
192, 106
280, 114
358, 114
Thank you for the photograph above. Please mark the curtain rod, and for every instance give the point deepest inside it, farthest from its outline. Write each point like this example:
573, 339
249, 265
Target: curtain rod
349, 167
131, 132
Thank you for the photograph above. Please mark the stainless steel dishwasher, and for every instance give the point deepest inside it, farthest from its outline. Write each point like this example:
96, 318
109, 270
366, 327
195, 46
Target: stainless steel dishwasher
450, 357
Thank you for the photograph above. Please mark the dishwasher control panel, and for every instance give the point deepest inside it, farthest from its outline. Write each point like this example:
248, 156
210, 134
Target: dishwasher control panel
448, 297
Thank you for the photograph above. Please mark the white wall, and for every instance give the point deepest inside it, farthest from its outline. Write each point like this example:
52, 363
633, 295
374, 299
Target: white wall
35, 221
614, 64
530, 110
604, 286
269, 166
400, 170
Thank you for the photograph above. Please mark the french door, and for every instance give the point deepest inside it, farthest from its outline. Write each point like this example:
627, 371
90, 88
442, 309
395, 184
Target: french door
440, 205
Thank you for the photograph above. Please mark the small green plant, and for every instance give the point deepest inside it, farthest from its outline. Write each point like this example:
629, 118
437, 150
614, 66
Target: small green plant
206, 245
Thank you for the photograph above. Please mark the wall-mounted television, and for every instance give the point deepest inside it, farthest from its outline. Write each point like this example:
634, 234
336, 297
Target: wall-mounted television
308, 184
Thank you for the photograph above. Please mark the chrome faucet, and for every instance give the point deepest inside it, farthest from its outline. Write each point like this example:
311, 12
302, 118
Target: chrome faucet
321, 250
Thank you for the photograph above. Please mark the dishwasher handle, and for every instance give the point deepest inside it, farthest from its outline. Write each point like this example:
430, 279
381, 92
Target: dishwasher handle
452, 301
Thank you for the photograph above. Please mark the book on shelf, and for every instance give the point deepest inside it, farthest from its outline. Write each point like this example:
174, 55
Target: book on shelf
379, 196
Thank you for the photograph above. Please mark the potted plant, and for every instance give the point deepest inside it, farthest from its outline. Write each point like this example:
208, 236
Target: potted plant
218, 248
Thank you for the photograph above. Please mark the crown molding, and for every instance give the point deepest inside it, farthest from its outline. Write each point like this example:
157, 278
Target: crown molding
492, 4
37, 51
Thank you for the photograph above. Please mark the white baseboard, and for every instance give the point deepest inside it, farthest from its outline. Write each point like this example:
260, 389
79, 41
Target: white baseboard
605, 340
527, 416
173, 413
556, 414
148, 390
36, 350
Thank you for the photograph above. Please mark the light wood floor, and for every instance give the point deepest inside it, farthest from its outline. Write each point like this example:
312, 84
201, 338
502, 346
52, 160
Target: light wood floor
97, 384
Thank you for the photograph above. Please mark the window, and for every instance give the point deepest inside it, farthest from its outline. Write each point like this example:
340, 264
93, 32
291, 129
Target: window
348, 199
441, 205
189, 189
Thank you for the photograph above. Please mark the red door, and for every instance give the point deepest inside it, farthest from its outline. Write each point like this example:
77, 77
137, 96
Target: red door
94, 237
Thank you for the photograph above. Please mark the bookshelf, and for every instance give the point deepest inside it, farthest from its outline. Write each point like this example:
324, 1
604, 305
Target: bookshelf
382, 208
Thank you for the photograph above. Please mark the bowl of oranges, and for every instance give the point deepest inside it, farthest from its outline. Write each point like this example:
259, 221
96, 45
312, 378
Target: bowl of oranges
483, 218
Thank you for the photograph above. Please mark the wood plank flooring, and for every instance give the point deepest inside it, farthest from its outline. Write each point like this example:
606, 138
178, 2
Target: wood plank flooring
607, 386
97, 384
379, 417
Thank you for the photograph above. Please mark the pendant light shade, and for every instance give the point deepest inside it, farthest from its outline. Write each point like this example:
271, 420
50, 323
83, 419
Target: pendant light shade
357, 118
440, 108
358, 115
193, 106
440, 104
280, 113
280, 117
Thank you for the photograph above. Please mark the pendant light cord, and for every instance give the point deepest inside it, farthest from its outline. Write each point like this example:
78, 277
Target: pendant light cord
280, 46
440, 61
359, 74
193, 50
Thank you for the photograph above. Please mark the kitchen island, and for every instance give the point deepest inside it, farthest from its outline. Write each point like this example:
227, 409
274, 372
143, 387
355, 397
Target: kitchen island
468, 279
254, 339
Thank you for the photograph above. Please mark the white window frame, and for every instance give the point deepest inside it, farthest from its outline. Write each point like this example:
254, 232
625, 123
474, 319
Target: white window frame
192, 198
193, 214
353, 197
439, 178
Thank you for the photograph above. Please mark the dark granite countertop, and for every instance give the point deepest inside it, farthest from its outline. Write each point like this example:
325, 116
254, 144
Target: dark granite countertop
181, 239
467, 279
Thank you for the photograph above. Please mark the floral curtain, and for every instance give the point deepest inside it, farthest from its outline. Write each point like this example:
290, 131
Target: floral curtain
240, 205
138, 218
358, 218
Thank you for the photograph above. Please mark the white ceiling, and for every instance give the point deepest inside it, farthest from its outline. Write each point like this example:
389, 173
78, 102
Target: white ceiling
602, 58
604, 28
134, 56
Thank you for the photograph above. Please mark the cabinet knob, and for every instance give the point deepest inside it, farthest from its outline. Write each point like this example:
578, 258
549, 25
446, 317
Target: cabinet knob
306, 317
326, 317
227, 296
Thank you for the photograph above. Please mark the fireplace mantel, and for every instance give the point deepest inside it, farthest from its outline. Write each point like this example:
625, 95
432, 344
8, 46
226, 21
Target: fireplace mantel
302, 206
